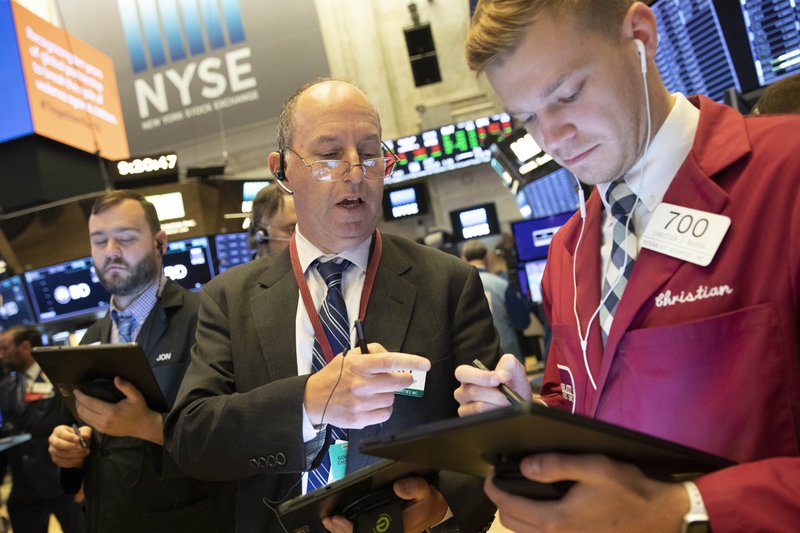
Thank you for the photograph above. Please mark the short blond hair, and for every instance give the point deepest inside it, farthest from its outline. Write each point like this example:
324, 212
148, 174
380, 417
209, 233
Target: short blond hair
498, 26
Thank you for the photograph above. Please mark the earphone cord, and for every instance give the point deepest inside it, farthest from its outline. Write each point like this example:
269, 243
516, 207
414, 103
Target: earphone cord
584, 339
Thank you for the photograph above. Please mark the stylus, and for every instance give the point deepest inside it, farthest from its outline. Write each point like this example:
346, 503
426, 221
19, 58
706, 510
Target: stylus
362, 339
78, 433
512, 396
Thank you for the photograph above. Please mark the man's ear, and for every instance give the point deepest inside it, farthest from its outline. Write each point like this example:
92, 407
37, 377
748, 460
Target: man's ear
161, 241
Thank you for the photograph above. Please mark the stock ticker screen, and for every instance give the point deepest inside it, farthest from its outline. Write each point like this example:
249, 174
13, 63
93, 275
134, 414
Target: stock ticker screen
65, 290
448, 147
773, 32
692, 54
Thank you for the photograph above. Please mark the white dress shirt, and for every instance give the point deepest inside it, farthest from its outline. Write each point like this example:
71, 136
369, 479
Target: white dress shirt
667, 152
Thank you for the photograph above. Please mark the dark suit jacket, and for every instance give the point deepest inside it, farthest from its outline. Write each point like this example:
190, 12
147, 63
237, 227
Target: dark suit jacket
239, 410
133, 485
34, 475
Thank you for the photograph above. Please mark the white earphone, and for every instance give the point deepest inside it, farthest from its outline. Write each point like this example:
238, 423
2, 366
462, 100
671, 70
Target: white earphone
584, 339
642, 55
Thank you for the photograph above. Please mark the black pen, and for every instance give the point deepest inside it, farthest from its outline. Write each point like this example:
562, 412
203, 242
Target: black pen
362, 339
78, 433
512, 396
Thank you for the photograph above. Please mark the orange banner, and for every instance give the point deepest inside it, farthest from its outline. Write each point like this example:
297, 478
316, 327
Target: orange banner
72, 88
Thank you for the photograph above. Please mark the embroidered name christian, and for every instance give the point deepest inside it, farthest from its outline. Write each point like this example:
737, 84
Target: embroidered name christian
666, 298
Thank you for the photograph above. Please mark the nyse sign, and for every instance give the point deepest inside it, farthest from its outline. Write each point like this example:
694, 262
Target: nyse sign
200, 87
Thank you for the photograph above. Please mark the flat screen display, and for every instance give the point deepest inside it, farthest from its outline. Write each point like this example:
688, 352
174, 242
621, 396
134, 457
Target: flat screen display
447, 148
405, 202
188, 263
66, 290
169, 206
530, 279
249, 191
532, 237
14, 306
552, 193
476, 221
231, 249
773, 33
692, 55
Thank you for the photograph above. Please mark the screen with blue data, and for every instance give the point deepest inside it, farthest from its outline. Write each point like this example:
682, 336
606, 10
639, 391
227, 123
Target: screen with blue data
552, 193
66, 290
231, 249
188, 263
530, 275
692, 54
532, 237
773, 33
14, 306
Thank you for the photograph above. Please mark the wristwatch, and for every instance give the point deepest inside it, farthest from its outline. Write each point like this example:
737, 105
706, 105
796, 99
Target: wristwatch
696, 520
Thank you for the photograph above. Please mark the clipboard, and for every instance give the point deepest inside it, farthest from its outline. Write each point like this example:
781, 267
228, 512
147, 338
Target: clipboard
476, 444
368, 487
92, 368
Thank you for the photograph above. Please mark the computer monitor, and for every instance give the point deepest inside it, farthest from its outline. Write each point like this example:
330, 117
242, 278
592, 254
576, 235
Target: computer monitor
14, 306
169, 205
475, 221
530, 279
231, 249
772, 30
532, 236
66, 290
693, 56
188, 262
249, 191
405, 202
552, 193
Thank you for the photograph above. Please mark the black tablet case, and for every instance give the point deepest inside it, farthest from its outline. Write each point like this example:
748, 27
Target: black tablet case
474, 444
305, 513
73, 367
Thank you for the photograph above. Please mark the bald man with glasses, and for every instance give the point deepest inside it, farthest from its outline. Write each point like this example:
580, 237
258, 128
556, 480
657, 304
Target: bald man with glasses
269, 386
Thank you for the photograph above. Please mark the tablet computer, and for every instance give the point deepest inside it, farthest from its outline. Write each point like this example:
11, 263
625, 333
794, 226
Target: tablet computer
92, 368
362, 490
13, 440
475, 444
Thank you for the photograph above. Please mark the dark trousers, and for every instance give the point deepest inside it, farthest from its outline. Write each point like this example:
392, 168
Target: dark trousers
34, 517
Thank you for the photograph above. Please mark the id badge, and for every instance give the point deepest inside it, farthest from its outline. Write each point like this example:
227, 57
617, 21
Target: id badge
417, 388
685, 233
338, 456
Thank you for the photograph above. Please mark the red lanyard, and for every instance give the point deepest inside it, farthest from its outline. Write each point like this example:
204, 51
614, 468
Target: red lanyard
308, 302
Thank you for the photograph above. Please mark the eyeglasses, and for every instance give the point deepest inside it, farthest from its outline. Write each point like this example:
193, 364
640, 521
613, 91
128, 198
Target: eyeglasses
373, 168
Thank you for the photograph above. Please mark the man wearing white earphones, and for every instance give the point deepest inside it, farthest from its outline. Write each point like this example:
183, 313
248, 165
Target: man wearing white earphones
672, 294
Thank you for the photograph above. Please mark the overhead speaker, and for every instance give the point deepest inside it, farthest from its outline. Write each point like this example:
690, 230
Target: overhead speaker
422, 54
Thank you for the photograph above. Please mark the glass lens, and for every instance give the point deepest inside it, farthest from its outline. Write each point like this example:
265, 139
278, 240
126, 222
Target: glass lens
375, 168
329, 169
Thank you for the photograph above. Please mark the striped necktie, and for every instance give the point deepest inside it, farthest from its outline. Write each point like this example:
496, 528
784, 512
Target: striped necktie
624, 250
333, 315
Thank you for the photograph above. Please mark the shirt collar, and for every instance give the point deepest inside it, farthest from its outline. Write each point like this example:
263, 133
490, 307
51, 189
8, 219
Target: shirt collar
141, 306
667, 152
33, 371
307, 252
